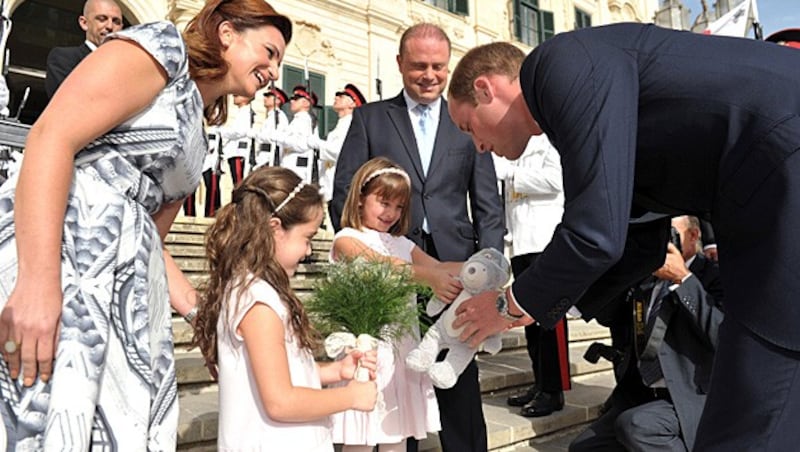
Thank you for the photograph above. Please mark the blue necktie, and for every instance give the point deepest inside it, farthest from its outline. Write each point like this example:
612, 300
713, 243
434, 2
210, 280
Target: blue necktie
427, 133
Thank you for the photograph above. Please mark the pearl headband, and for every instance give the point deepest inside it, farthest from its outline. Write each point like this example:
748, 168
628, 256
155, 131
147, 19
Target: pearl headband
291, 196
381, 171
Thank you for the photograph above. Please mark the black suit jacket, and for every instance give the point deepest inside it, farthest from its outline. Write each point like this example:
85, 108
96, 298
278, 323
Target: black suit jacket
60, 62
673, 122
458, 178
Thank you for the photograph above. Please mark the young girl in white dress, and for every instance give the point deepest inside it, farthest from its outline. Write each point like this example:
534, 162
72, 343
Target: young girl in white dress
374, 221
253, 327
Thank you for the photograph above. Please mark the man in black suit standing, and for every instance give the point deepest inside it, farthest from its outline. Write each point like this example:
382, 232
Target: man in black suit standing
448, 178
666, 350
652, 121
100, 17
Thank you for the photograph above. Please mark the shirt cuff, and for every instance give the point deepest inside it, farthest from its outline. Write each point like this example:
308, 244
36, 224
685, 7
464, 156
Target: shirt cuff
683, 280
510, 296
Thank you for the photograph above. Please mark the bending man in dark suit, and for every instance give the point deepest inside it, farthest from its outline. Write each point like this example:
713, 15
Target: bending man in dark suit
674, 330
100, 17
649, 119
447, 177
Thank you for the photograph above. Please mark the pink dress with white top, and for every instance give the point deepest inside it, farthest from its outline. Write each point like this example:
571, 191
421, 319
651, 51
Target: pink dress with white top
409, 405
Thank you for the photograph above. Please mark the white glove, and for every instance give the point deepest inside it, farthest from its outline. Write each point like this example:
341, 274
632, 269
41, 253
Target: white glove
277, 137
314, 141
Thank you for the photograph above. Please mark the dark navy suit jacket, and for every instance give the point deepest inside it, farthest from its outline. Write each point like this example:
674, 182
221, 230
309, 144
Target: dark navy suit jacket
60, 62
649, 119
456, 170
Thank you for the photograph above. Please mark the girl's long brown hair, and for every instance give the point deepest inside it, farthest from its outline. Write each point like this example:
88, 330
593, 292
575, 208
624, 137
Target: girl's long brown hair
205, 49
240, 244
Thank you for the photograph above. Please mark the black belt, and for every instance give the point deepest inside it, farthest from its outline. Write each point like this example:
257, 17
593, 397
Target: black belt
660, 394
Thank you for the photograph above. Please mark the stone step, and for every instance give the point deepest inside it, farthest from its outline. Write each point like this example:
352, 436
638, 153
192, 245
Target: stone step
506, 428
579, 330
197, 427
511, 370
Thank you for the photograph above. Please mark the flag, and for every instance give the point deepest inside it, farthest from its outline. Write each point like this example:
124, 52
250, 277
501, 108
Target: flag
736, 21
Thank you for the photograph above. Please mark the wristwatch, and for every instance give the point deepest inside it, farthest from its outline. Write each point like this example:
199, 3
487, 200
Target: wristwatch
502, 308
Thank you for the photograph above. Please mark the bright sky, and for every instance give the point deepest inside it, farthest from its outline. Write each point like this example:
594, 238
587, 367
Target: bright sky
774, 14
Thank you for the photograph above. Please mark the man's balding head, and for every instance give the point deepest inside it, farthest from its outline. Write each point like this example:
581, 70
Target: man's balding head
100, 17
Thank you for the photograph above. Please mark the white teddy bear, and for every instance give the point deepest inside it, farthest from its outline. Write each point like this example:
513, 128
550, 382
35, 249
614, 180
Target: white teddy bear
485, 270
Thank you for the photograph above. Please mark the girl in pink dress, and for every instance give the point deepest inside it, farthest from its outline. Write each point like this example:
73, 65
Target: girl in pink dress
374, 221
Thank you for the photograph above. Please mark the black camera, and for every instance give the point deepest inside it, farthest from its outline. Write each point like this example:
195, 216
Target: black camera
675, 238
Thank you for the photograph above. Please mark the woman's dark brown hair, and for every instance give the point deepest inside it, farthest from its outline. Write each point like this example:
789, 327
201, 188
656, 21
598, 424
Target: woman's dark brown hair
240, 248
205, 49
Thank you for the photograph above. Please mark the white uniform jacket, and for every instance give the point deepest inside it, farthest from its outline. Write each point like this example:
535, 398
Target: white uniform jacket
534, 195
265, 139
295, 152
235, 133
329, 150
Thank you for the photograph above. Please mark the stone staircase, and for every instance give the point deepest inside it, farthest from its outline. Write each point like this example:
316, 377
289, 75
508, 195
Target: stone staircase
501, 375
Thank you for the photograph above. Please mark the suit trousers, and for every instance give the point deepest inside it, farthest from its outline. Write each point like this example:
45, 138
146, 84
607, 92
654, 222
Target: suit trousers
460, 407
547, 348
652, 426
237, 169
213, 196
189, 208
758, 378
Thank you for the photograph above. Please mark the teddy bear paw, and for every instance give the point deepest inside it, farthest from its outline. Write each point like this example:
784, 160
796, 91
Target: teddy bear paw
419, 361
443, 376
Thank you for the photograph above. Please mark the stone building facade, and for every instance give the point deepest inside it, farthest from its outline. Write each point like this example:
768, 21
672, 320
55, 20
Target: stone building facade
335, 41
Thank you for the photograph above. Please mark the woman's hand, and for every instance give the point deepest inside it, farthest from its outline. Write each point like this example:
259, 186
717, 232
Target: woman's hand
355, 358
29, 326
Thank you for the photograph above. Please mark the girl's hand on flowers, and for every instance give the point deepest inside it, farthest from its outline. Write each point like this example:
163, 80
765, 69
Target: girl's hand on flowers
350, 363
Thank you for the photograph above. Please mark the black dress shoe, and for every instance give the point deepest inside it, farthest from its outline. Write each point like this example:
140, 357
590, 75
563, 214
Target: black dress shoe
543, 404
524, 398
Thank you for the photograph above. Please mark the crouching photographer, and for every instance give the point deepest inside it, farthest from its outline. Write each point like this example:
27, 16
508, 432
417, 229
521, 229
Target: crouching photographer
662, 353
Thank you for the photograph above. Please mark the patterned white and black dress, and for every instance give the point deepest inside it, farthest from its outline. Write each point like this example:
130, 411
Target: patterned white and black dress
113, 387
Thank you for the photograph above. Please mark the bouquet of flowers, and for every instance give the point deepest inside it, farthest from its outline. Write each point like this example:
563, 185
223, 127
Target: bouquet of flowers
361, 301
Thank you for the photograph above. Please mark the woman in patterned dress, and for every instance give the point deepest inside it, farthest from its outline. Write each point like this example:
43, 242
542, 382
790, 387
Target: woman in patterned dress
85, 285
